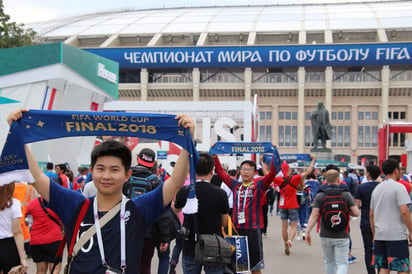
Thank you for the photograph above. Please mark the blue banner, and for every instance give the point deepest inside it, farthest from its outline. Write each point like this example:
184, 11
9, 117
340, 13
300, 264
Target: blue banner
260, 56
248, 147
267, 158
241, 148
38, 125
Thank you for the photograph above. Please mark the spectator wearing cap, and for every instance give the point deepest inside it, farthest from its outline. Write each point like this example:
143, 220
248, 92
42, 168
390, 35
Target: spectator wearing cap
158, 234
80, 181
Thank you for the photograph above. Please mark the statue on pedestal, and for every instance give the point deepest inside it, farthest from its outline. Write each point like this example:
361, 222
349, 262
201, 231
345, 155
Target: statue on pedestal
321, 127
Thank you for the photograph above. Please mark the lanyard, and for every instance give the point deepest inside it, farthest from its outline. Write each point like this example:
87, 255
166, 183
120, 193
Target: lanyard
244, 197
122, 235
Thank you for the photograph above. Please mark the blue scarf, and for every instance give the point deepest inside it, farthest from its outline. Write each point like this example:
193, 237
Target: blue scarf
247, 148
38, 125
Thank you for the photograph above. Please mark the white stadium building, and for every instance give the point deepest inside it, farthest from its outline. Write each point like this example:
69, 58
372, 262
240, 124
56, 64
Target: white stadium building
354, 56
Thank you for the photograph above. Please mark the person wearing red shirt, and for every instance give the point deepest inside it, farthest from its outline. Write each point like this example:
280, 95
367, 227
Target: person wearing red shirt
46, 235
288, 203
62, 178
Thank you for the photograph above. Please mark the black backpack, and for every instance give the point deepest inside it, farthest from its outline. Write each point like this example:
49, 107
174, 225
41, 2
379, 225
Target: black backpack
334, 210
137, 186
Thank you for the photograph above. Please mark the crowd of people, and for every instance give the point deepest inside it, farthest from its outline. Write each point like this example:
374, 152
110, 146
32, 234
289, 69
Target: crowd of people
135, 210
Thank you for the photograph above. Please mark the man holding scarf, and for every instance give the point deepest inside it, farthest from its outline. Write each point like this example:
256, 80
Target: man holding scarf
110, 166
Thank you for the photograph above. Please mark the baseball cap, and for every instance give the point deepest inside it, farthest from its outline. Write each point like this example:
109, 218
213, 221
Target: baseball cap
146, 157
284, 167
81, 179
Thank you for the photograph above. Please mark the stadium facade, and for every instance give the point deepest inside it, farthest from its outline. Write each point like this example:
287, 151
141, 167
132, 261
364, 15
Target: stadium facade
356, 57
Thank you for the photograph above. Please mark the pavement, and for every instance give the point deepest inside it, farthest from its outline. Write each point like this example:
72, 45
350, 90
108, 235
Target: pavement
302, 259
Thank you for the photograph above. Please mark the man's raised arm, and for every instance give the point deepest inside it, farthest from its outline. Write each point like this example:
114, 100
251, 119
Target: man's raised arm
42, 182
181, 169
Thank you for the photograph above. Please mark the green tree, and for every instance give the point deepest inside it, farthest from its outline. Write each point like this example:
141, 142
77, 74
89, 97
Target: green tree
12, 34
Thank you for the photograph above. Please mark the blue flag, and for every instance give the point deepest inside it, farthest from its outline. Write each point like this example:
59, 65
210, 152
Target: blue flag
38, 125
247, 147
241, 147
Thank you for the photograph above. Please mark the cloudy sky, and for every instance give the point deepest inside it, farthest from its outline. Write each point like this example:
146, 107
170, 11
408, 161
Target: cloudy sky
26, 11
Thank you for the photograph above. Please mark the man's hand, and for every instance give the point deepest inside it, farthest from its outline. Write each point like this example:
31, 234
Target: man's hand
163, 247
312, 157
187, 122
15, 115
308, 239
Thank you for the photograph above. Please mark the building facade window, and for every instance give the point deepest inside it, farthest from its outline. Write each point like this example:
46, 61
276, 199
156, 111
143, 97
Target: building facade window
397, 139
288, 136
288, 115
265, 133
265, 115
340, 136
368, 115
340, 115
367, 136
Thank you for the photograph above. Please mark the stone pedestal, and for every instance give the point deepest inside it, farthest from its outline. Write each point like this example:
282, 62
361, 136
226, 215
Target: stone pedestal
322, 153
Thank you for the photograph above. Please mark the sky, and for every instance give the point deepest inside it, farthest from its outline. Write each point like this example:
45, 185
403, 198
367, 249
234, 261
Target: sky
28, 11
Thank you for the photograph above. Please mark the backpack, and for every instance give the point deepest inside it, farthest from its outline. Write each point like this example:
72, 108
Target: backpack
334, 210
137, 186
286, 181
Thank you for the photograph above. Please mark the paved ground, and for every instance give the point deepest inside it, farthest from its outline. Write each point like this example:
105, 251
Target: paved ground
303, 259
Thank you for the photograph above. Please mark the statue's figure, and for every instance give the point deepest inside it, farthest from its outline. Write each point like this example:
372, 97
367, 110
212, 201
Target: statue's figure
321, 127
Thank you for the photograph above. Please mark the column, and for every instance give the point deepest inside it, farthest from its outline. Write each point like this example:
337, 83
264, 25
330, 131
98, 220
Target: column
385, 94
196, 84
328, 95
301, 109
144, 84
354, 134
248, 84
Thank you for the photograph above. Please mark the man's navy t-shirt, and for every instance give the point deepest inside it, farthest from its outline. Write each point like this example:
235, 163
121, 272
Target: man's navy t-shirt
364, 193
140, 213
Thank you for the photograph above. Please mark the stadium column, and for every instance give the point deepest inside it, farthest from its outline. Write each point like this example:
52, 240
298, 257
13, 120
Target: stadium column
301, 109
328, 95
385, 93
248, 84
196, 84
144, 79
354, 133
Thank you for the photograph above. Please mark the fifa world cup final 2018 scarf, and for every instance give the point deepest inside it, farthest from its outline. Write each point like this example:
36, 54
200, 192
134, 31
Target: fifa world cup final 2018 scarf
38, 125
247, 148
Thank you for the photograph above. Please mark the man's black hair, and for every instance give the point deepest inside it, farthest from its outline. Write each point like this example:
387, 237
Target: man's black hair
205, 164
232, 172
249, 162
389, 166
49, 166
112, 148
374, 171
332, 166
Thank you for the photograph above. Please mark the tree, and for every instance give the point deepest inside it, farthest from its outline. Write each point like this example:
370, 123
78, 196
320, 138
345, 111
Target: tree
11, 34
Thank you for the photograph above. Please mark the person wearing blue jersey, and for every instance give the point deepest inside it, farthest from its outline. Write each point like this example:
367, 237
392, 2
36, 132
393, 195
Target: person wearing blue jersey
122, 237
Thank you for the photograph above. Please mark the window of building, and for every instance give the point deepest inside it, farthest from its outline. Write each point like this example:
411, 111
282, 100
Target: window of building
288, 115
341, 136
368, 115
265, 133
341, 115
288, 135
307, 115
367, 136
308, 136
265, 115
